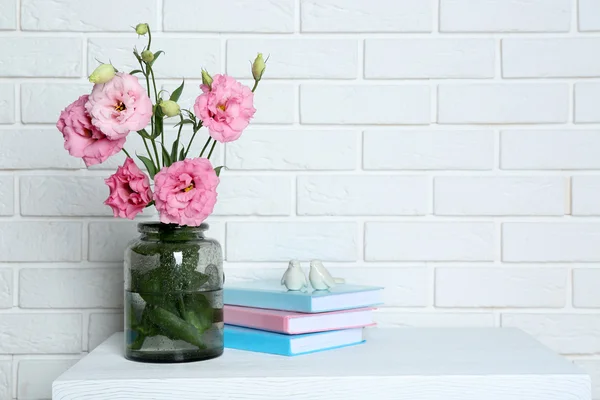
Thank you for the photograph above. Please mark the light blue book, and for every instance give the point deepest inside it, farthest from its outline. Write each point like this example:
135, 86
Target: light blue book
271, 294
237, 337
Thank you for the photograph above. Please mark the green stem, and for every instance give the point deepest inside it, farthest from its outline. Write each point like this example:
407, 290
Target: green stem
145, 72
196, 129
255, 86
205, 146
156, 154
149, 37
148, 150
153, 83
162, 132
138, 342
178, 136
211, 149
126, 153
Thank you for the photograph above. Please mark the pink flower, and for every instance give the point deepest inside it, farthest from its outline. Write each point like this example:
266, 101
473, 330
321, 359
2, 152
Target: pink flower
129, 190
185, 193
119, 106
82, 139
225, 108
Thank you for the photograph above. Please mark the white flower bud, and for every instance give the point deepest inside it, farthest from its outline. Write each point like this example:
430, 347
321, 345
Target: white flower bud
147, 56
170, 108
141, 29
102, 74
258, 67
206, 78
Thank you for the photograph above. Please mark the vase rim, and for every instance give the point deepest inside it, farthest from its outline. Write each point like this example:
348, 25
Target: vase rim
159, 227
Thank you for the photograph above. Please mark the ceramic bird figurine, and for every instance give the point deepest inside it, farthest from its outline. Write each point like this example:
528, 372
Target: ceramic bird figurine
320, 278
294, 277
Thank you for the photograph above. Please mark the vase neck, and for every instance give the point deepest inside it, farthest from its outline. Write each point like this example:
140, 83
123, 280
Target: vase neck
171, 232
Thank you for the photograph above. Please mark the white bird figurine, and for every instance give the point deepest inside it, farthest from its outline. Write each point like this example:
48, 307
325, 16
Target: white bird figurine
320, 278
294, 277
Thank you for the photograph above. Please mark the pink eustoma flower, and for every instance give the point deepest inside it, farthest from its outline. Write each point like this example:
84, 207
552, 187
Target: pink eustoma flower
82, 139
129, 190
225, 108
185, 193
119, 106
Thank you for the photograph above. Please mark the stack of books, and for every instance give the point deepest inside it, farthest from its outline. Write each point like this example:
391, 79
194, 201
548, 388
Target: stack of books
266, 317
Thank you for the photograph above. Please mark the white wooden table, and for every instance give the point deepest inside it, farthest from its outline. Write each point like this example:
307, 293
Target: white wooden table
395, 363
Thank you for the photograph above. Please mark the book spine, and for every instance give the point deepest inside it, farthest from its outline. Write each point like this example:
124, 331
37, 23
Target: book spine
258, 342
256, 320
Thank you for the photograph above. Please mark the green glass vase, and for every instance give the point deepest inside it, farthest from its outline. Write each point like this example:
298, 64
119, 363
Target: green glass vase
173, 294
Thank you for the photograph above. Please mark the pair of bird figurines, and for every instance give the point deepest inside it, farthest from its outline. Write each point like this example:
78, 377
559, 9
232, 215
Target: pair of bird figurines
320, 279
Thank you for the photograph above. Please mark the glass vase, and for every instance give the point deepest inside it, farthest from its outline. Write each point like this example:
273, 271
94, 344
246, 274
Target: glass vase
173, 294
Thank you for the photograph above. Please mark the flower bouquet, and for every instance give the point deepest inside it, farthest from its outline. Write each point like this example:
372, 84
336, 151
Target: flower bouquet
173, 274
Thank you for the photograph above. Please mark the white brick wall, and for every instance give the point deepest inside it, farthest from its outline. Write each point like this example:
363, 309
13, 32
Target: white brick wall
510, 195
550, 149
35, 376
589, 15
500, 287
429, 241
448, 150
587, 95
360, 16
7, 103
584, 190
6, 288
585, 294
39, 333
503, 103
550, 241
101, 326
362, 195
301, 58
423, 150
565, 333
361, 104
250, 16
40, 56
429, 58
5, 379
552, 58
505, 15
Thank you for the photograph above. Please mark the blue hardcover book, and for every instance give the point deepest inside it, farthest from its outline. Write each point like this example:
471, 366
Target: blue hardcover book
240, 338
271, 294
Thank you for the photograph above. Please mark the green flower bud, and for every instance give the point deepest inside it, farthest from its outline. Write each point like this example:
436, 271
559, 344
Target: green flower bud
170, 108
206, 78
102, 74
147, 56
141, 29
258, 67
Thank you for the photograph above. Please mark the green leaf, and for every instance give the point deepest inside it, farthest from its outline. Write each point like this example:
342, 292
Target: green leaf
198, 311
190, 114
137, 55
136, 71
174, 151
185, 121
182, 154
158, 121
218, 170
144, 134
149, 165
166, 156
177, 92
158, 53
175, 327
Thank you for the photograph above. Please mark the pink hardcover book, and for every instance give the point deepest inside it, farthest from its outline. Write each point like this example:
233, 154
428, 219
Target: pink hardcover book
296, 323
